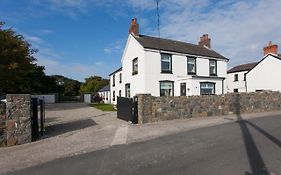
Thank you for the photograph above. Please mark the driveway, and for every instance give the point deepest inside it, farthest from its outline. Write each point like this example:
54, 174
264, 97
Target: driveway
71, 128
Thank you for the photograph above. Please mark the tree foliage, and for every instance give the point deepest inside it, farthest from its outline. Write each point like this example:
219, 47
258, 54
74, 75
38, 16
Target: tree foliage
67, 86
93, 84
19, 72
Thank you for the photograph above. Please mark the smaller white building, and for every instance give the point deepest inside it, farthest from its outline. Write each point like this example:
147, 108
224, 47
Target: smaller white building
104, 93
258, 76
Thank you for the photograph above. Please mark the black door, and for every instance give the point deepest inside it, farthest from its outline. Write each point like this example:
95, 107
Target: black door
183, 89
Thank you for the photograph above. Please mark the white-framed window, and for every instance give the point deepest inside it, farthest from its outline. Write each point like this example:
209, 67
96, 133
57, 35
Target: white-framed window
113, 80
207, 88
135, 66
213, 67
191, 65
113, 96
166, 63
120, 78
166, 88
235, 77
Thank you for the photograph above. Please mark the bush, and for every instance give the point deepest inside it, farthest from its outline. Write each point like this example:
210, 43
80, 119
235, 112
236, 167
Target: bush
97, 98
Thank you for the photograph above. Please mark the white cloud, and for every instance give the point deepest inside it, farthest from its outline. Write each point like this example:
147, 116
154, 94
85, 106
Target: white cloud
239, 29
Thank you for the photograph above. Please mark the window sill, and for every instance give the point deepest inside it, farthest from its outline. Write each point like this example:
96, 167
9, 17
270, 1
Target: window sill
191, 73
214, 75
166, 72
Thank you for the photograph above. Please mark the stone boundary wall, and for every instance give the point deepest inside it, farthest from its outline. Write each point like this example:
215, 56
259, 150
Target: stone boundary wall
153, 109
3, 134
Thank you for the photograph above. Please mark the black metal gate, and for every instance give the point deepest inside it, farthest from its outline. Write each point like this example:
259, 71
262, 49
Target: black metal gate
127, 109
37, 123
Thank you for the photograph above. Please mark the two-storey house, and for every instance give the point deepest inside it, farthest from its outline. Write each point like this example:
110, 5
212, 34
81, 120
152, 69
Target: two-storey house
164, 67
257, 76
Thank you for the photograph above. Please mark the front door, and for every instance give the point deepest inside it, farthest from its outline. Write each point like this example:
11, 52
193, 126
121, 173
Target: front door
183, 89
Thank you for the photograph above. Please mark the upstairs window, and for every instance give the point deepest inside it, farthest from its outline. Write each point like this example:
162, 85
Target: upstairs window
120, 78
166, 63
213, 67
113, 80
191, 65
127, 90
235, 77
207, 88
135, 66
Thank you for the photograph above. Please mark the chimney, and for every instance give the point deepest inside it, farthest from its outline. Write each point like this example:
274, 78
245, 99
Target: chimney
205, 41
270, 48
134, 27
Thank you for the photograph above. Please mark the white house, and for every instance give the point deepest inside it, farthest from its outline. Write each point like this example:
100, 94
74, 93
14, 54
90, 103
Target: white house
257, 76
163, 67
104, 93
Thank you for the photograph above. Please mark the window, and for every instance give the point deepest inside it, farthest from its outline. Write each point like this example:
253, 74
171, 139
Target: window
127, 90
245, 76
191, 65
113, 80
213, 67
135, 66
120, 78
235, 90
113, 98
235, 77
166, 88
183, 89
119, 93
207, 88
106, 95
166, 63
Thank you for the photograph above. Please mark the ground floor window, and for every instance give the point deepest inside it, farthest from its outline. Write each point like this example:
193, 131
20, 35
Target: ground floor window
166, 88
113, 98
235, 90
207, 88
119, 93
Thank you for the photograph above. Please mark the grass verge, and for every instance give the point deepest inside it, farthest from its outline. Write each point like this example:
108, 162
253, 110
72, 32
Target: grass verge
103, 107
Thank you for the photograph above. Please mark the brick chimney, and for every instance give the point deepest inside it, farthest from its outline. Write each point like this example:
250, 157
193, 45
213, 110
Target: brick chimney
134, 27
205, 41
270, 48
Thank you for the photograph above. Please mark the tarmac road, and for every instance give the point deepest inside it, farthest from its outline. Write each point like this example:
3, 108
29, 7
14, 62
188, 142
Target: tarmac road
244, 147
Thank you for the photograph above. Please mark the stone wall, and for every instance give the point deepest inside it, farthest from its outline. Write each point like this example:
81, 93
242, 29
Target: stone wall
18, 111
3, 135
152, 109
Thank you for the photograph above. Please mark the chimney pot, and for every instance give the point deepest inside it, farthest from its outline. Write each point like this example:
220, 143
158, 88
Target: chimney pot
134, 27
270, 48
205, 41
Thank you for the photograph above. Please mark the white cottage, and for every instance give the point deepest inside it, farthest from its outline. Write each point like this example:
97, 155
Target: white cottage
257, 76
104, 93
164, 67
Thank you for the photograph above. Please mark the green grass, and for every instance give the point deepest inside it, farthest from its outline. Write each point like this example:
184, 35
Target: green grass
103, 107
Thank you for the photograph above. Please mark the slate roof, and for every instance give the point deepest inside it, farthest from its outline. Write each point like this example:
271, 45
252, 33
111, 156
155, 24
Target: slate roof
105, 88
243, 67
116, 71
176, 46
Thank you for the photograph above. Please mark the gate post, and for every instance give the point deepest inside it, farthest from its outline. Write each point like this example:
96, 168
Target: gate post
42, 117
135, 110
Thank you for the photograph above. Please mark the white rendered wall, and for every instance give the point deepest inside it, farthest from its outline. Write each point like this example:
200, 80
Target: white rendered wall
265, 76
118, 86
240, 84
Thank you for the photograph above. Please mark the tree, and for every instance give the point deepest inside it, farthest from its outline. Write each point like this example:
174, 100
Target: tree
67, 86
93, 84
19, 72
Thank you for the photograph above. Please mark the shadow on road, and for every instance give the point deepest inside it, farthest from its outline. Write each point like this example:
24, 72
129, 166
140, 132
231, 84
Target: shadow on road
58, 129
254, 157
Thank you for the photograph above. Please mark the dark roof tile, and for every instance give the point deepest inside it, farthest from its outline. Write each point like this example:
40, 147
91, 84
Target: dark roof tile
243, 67
176, 46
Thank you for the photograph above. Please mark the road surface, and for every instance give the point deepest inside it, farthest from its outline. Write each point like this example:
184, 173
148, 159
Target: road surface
245, 147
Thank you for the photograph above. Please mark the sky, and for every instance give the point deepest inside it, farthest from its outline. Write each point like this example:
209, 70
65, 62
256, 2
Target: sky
82, 38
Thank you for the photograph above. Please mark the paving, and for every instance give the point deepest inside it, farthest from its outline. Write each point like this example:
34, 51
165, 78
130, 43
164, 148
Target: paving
75, 128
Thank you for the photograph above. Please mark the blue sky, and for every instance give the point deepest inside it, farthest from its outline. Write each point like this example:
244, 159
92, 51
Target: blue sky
80, 38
